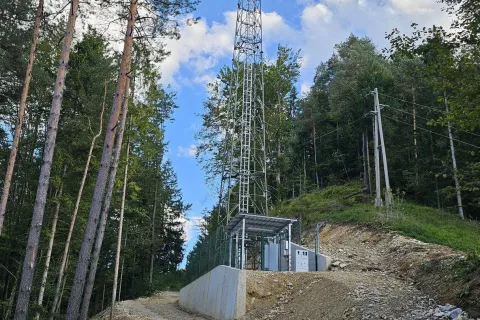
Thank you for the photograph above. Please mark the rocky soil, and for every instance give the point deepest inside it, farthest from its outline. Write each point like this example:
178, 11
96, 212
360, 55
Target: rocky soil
431, 268
375, 275
340, 295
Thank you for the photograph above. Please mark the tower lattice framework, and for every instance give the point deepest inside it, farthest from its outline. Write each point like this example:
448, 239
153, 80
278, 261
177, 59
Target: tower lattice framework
245, 177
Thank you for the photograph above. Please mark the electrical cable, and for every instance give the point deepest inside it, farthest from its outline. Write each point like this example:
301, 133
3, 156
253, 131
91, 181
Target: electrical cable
410, 102
443, 112
426, 119
435, 133
329, 133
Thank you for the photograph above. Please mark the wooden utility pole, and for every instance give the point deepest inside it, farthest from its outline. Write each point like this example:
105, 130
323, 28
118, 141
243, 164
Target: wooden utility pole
454, 164
388, 191
378, 188
21, 114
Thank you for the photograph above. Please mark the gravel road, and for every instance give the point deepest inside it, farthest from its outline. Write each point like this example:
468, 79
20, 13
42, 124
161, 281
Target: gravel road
162, 306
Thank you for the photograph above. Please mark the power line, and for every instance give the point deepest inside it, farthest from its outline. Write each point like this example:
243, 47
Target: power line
329, 133
343, 127
464, 131
417, 104
432, 132
426, 119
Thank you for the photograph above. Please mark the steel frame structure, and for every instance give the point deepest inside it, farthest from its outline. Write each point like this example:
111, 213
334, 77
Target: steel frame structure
244, 177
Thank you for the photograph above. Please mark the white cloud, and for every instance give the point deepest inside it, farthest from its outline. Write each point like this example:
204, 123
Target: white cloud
321, 26
313, 16
199, 48
189, 152
421, 7
192, 227
305, 88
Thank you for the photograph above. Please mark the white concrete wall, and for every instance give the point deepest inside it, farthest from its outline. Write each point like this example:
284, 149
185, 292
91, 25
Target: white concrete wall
324, 262
220, 294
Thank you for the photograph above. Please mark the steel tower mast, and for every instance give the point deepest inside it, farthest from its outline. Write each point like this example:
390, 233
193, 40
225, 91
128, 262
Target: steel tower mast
245, 177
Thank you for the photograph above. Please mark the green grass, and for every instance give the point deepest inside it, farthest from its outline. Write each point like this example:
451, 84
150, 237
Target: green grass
419, 222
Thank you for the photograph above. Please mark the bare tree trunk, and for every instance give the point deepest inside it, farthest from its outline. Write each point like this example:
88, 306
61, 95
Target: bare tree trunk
454, 164
106, 208
58, 197
315, 154
99, 191
120, 229
304, 173
21, 113
415, 143
121, 272
152, 251
12, 294
11, 299
119, 298
436, 178
21, 310
278, 174
59, 303
103, 296
61, 272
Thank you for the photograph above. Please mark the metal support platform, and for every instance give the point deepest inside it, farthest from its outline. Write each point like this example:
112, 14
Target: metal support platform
251, 228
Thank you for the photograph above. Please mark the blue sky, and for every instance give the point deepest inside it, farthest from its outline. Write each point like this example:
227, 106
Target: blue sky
310, 25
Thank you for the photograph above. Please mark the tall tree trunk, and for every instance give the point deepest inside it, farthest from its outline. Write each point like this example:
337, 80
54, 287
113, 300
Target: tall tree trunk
21, 113
99, 191
278, 174
12, 294
454, 164
121, 271
103, 296
415, 143
120, 229
63, 263
21, 310
106, 208
436, 178
152, 247
304, 173
51, 241
315, 154
59, 303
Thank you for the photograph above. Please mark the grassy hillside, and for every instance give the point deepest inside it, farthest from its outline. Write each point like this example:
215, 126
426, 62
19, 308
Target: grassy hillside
335, 204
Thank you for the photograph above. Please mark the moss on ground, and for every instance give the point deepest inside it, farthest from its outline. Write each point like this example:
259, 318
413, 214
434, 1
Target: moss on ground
335, 204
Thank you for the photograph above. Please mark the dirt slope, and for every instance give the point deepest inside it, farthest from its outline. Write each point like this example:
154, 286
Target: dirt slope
334, 295
433, 269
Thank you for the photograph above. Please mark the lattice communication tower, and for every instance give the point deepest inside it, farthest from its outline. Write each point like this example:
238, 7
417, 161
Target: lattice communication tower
245, 176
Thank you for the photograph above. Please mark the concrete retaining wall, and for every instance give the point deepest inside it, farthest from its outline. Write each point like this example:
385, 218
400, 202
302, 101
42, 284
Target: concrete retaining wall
220, 294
